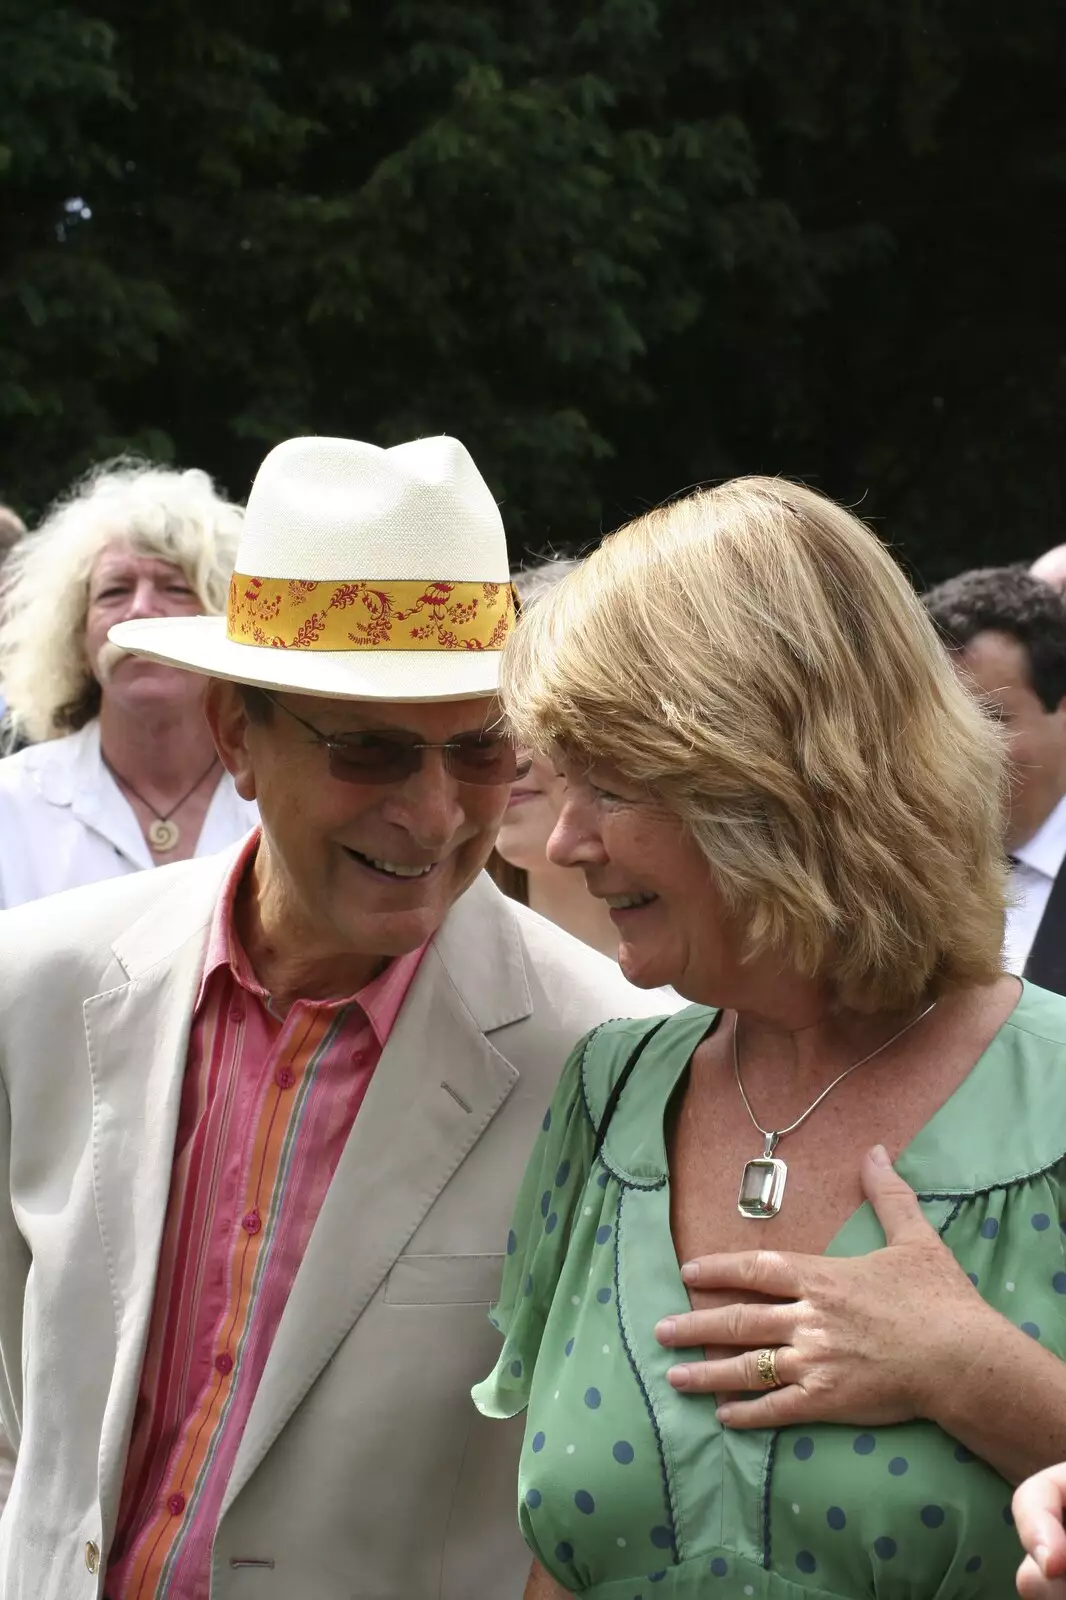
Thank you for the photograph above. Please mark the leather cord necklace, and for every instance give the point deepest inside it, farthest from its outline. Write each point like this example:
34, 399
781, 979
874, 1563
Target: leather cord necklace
163, 834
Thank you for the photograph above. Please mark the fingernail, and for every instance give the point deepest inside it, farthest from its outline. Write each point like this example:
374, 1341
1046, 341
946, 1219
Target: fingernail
690, 1272
879, 1156
664, 1330
1040, 1555
678, 1377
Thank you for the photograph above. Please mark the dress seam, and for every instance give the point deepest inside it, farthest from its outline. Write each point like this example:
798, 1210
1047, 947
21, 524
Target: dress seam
960, 1195
767, 1502
660, 1439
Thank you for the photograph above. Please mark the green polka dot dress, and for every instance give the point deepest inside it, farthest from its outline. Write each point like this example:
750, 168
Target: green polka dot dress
630, 1491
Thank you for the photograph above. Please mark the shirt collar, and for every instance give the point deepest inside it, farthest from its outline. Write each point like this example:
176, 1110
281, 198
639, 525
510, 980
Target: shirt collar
380, 999
1046, 850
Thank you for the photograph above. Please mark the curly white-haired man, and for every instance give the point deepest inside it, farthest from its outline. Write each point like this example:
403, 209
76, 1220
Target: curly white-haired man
121, 772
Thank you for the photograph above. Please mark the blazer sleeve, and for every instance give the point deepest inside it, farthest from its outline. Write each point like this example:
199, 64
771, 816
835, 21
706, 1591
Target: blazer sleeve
14, 1270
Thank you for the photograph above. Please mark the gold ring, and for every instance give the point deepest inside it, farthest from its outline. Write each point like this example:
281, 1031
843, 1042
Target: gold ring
766, 1366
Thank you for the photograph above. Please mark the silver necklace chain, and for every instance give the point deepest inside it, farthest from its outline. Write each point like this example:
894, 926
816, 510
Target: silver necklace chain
772, 1135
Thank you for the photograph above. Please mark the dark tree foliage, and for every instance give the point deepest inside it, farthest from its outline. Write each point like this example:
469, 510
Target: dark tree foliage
618, 248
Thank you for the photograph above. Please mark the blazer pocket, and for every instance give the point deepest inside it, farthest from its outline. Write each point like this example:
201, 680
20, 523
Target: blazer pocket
444, 1280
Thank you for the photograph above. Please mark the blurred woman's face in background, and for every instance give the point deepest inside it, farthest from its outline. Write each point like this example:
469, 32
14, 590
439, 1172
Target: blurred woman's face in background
530, 817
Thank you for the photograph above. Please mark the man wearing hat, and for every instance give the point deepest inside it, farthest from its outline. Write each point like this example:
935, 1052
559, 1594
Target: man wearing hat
262, 1116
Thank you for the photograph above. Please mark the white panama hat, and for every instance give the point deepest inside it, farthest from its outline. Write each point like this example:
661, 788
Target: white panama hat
362, 574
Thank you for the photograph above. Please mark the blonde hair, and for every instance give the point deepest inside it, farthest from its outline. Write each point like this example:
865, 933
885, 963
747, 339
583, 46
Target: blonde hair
176, 516
755, 658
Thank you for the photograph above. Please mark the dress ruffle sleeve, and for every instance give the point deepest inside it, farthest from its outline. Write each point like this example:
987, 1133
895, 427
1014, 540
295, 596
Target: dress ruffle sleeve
548, 1199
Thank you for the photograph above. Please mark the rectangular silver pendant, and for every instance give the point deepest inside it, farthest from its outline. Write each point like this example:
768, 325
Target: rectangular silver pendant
762, 1187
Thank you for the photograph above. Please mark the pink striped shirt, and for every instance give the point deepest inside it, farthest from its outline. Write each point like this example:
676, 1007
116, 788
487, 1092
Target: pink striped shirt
267, 1105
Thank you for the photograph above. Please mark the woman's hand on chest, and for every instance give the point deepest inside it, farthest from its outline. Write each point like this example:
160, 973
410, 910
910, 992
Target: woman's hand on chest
864, 1339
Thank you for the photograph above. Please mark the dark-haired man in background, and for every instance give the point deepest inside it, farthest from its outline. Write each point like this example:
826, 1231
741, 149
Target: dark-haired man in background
1008, 630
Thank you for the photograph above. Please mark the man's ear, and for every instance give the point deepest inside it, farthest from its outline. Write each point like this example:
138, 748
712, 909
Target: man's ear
229, 723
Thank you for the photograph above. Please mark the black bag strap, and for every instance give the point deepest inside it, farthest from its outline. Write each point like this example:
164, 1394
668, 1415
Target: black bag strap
623, 1078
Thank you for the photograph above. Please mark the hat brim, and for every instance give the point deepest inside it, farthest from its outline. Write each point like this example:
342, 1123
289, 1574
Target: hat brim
200, 644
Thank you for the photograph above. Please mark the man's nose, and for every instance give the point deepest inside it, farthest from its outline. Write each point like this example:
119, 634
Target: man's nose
145, 600
428, 805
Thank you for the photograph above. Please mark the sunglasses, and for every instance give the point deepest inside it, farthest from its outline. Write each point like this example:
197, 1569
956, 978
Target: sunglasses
479, 758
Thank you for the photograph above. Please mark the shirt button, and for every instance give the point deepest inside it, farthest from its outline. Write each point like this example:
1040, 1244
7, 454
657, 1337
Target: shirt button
224, 1362
284, 1077
251, 1222
92, 1557
236, 1013
176, 1505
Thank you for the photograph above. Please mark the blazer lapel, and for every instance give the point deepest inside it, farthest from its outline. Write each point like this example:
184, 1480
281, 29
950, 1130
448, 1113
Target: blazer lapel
1046, 964
436, 1089
137, 1038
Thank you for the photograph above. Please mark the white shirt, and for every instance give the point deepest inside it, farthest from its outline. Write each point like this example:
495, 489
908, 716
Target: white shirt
64, 821
1038, 863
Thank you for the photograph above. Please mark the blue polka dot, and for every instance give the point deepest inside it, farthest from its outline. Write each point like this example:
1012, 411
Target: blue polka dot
885, 1547
989, 1228
569, 1347
533, 1499
527, 1287
623, 1452
546, 1124
516, 1369
719, 1568
1008, 1515
898, 1466
538, 1443
803, 1449
662, 1538
562, 1174
545, 1202
603, 1179
656, 1577
584, 1502
603, 1296
512, 1242
933, 1516
962, 1454
603, 1234
806, 1562
836, 1518
1041, 1221
592, 1399
865, 1445
564, 1552
1058, 1283
552, 1223
973, 1278
1031, 1329
974, 1564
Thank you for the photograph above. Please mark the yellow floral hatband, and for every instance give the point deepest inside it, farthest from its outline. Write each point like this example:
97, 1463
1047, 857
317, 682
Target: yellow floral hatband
394, 614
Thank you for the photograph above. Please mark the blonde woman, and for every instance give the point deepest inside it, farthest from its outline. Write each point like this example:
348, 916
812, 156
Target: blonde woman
122, 773
794, 811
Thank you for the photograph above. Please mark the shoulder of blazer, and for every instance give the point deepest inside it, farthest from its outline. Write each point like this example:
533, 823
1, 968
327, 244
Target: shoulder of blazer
102, 934
508, 963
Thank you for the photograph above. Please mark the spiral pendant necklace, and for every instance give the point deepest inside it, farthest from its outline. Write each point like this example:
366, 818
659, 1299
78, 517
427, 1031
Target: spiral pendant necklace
163, 834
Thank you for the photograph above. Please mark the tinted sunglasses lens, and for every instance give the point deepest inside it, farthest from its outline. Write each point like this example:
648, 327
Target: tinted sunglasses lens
376, 761
487, 761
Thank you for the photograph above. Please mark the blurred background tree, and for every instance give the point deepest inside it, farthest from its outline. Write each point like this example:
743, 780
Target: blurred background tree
618, 248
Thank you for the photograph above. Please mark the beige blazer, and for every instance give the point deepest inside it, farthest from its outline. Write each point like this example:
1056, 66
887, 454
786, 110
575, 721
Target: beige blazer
364, 1472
